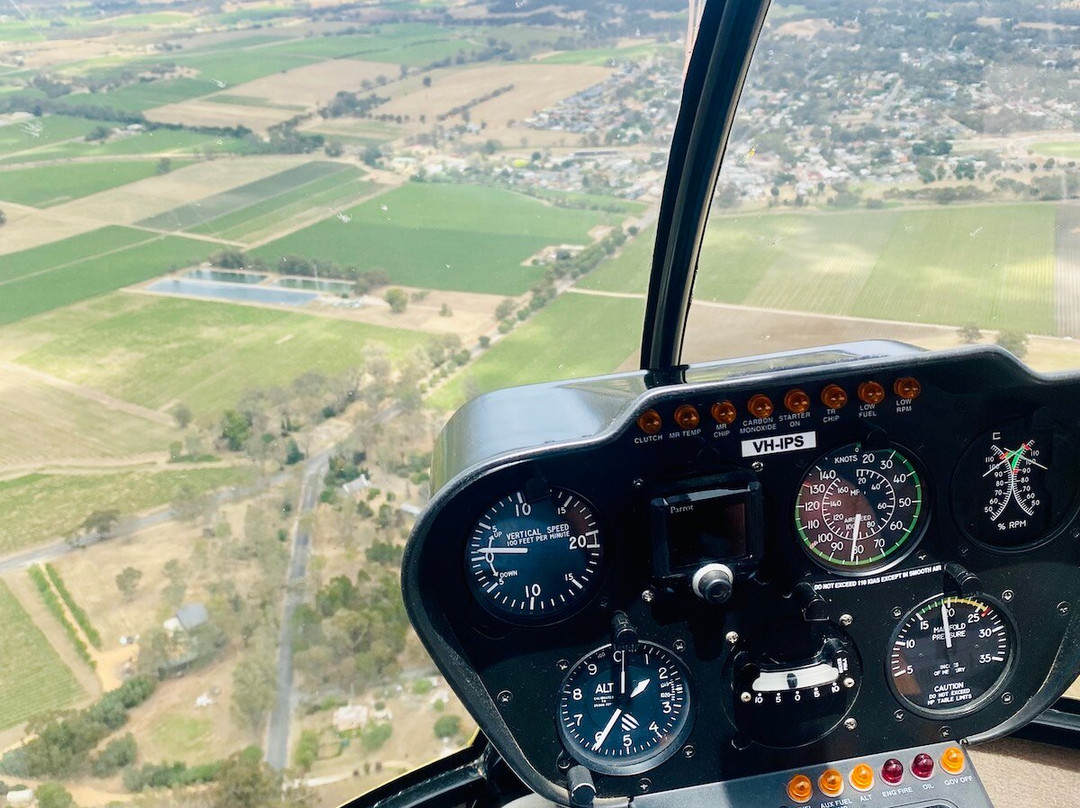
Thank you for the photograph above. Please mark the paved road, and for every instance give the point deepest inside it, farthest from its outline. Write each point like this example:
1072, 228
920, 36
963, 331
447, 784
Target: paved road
277, 731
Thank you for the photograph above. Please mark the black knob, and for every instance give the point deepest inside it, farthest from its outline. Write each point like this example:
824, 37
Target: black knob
579, 784
967, 583
815, 609
623, 631
713, 583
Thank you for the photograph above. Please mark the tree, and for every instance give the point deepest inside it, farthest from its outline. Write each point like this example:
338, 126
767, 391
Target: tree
447, 726
970, 333
397, 298
427, 81
246, 782
127, 581
164, 166
253, 693
1015, 342
3, 218
101, 523
235, 429
307, 750
182, 414
53, 795
334, 149
176, 588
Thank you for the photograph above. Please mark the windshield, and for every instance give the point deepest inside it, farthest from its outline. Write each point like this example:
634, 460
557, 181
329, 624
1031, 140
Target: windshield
901, 171
252, 256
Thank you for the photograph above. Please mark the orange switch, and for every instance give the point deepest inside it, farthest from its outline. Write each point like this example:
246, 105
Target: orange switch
649, 422
687, 417
871, 393
723, 412
797, 401
834, 397
831, 783
862, 777
952, 760
800, 789
760, 406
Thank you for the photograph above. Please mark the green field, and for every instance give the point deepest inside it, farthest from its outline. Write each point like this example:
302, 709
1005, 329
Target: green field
251, 101
37, 132
160, 141
153, 351
608, 56
992, 265
237, 199
230, 70
435, 236
264, 219
627, 272
1069, 150
44, 186
40, 507
74, 269
576, 335
144, 95
33, 679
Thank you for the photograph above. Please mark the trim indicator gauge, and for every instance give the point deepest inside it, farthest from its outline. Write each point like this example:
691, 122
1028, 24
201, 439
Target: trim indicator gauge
951, 654
859, 508
535, 559
625, 711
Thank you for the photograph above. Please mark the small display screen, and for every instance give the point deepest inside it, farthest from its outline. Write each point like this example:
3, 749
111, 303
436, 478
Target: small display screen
706, 526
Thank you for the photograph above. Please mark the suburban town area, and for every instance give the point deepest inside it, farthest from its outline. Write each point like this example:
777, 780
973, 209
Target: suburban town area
254, 254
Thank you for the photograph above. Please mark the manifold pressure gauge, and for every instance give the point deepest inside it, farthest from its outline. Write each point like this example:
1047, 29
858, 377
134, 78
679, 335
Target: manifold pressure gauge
625, 710
535, 556
951, 654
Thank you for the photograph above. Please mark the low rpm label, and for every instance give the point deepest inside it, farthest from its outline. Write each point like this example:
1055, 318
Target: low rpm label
776, 444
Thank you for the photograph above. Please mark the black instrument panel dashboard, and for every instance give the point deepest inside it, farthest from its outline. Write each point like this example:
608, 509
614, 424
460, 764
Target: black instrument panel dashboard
754, 565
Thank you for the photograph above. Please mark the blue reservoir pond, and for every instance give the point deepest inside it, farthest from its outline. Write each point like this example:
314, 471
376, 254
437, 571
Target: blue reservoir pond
224, 276
233, 292
333, 287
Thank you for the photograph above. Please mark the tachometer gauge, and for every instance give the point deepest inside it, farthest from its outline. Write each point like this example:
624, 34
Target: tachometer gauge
951, 654
1015, 484
534, 559
859, 508
625, 711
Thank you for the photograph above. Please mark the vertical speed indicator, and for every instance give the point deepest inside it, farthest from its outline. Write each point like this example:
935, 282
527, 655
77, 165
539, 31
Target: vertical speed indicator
535, 556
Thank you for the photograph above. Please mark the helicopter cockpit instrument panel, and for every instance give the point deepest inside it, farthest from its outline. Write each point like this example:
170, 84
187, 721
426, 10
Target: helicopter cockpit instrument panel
649, 582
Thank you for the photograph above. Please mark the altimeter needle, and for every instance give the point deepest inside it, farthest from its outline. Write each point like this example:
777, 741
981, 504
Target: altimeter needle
607, 730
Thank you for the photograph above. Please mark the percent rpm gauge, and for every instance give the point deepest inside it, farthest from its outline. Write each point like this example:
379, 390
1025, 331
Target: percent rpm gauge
859, 508
535, 558
950, 654
1015, 484
626, 710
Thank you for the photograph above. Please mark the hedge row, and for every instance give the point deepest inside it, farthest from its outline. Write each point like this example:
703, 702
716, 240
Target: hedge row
76, 610
53, 604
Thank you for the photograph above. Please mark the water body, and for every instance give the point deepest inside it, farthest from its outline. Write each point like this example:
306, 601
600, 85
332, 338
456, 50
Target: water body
232, 292
334, 287
224, 276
